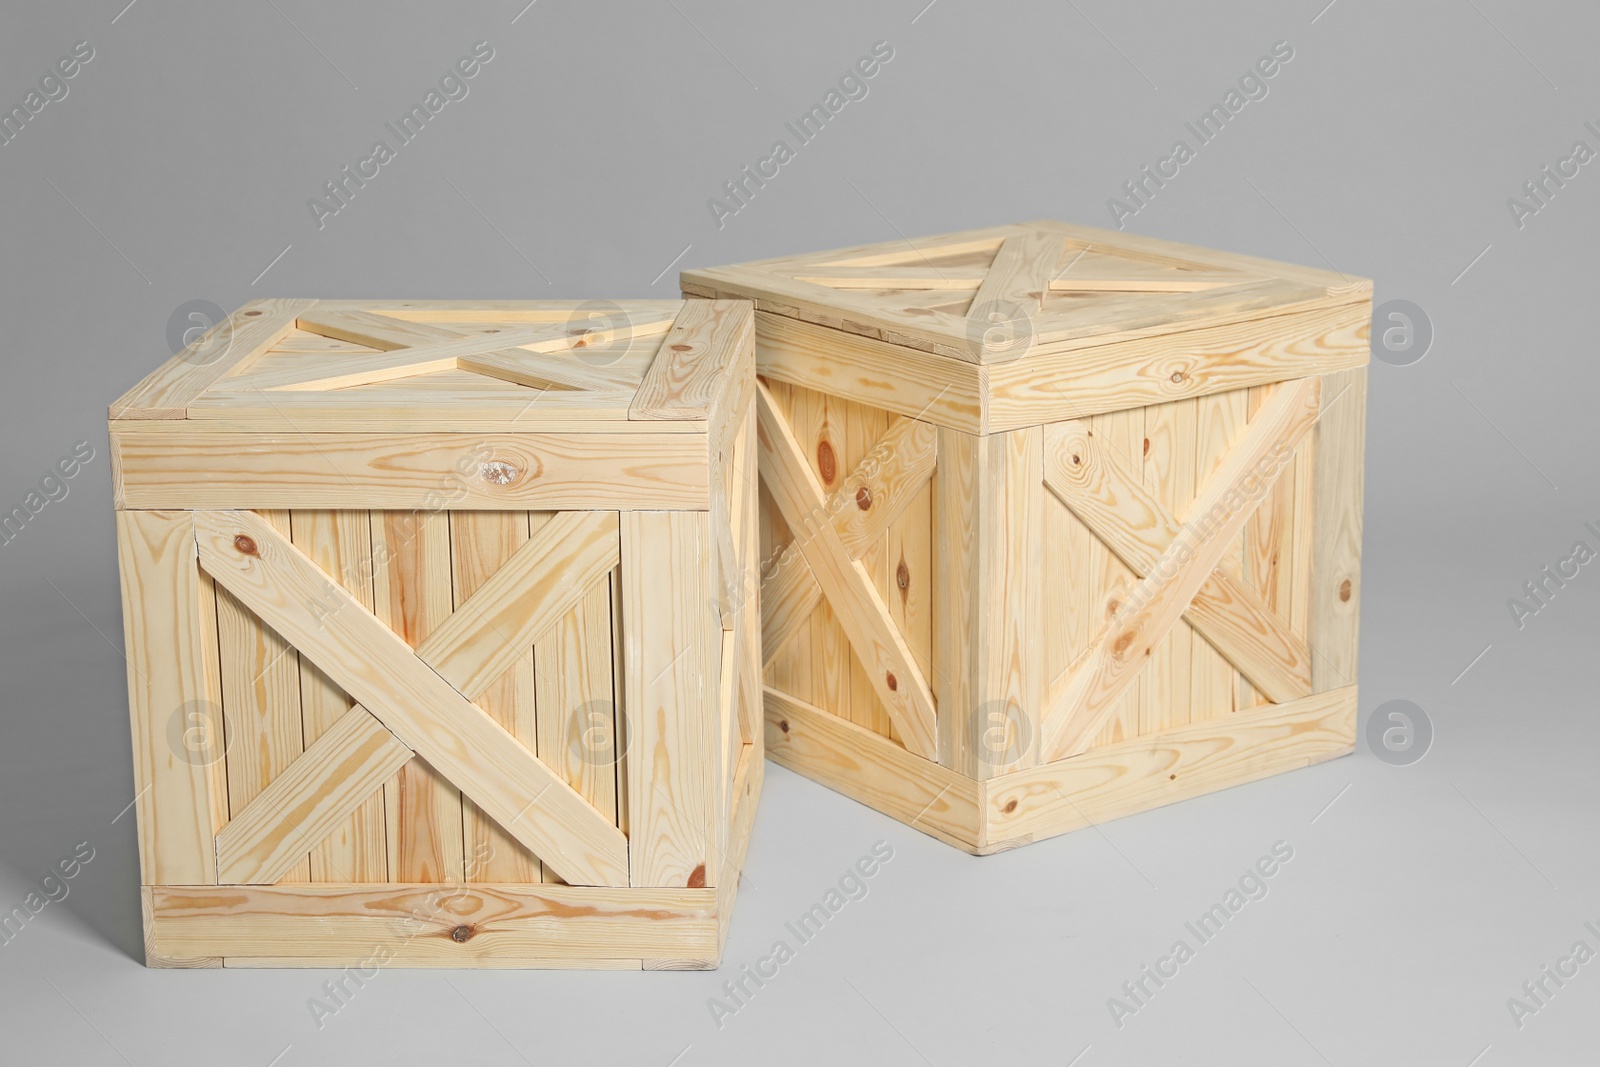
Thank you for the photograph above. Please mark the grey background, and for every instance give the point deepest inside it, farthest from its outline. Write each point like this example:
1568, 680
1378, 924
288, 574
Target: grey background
178, 167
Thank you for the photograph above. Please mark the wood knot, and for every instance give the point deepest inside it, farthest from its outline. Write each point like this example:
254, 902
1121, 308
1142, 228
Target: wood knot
902, 576
1178, 376
1077, 460
251, 314
1122, 643
783, 724
1011, 806
697, 877
461, 934
1344, 591
683, 348
891, 681
1172, 777
827, 463
1147, 446
864, 498
246, 544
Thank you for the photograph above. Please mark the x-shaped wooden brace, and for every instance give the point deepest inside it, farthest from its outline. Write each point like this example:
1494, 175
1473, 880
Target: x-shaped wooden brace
411, 348
832, 535
1177, 565
414, 701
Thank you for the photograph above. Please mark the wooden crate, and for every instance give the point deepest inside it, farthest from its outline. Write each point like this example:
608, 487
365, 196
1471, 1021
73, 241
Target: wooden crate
437, 633
1058, 524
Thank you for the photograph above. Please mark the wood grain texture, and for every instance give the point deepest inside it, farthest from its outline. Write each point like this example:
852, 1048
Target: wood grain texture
540, 582
174, 698
872, 769
376, 667
412, 594
1084, 699
227, 347
317, 793
694, 367
481, 544
1139, 528
1187, 761
671, 639
1335, 600
340, 543
419, 471
421, 923
846, 586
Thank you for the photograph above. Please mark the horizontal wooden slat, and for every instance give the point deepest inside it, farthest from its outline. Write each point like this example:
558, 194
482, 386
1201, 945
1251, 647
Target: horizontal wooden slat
429, 923
411, 471
1146, 772
872, 769
869, 371
367, 660
1049, 386
533, 589
309, 800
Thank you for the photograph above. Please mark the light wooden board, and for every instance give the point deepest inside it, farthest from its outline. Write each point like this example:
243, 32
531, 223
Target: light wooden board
1335, 597
376, 667
872, 769
1184, 762
421, 923
671, 637
417, 471
174, 698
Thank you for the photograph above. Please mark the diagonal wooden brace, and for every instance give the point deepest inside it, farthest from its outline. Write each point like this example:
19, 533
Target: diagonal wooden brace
1082, 700
369, 661
845, 582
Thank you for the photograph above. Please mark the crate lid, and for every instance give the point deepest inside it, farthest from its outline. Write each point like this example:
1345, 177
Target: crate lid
295, 365
1002, 294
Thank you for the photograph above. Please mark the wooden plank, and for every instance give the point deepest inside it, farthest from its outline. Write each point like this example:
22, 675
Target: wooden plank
957, 676
174, 699
897, 680
1139, 528
411, 553
577, 715
1126, 278
1020, 275
376, 667
1113, 580
423, 923
692, 369
219, 471
1168, 467
788, 597
372, 328
1141, 372
260, 702
670, 638
482, 542
1188, 761
1219, 421
1156, 603
877, 373
153, 957
168, 391
340, 543
747, 783
877, 491
542, 581
311, 799
1339, 453
872, 770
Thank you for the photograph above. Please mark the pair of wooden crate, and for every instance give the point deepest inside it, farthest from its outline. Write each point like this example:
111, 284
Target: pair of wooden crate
450, 625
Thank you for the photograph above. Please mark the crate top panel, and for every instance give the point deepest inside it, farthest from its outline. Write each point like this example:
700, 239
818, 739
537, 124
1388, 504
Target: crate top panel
1000, 295
299, 366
